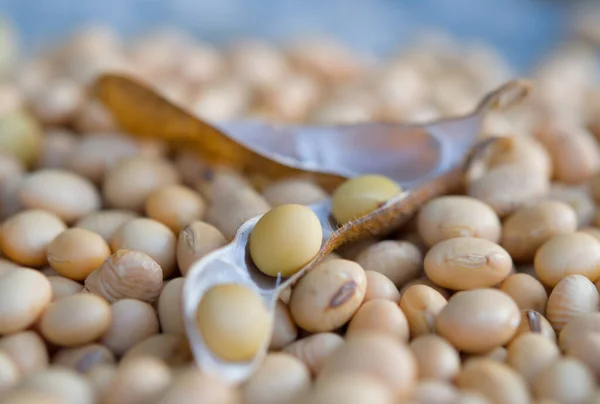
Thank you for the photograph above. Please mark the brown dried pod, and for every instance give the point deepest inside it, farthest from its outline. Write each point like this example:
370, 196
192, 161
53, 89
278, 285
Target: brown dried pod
259, 149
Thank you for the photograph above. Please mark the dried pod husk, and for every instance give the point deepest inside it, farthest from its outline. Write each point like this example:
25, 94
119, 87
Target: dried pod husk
573, 296
127, 274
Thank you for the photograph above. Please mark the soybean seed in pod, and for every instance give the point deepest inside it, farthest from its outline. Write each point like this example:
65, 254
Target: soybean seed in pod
361, 195
234, 321
285, 239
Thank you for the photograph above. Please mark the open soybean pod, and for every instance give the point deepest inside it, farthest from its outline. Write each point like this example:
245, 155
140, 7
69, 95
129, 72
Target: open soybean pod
426, 161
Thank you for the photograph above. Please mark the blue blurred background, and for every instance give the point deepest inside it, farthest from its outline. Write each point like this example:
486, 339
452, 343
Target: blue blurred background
521, 29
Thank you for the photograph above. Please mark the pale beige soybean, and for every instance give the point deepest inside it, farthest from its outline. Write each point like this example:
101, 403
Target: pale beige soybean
9, 198
138, 380
57, 145
566, 380
295, 190
351, 250
531, 353
526, 230
400, 261
100, 377
471, 397
361, 195
522, 150
75, 320
234, 321
63, 287
58, 101
150, 237
127, 274
425, 281
7, 266
467, 263
314, 350
507, 187
280, 378
378, 355
285, 239
196, 240
496, 381
421, 305
575, 155
105, 222
572, 297
453, 216
64, 383
64, 193
534, 322
84, 358
476, 321
175, 206
75, 253
568, 254
328, 295
131, 321
380, 286
26, 236
577, 197
24, 295
27, 350
351, 388
170, 308
93, 155
284, 329
10, 167
576, 328
128, 183
526, 291
174, 350
436, 358
436, 392
381, 316
9, 372
587, 350
193, 384
19, 396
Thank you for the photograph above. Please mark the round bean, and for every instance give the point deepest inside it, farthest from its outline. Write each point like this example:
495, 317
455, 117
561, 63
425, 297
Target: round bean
566, 380
531, 353
572, 297
63, 287
193, 383
150, 237
174, 350
526, 291
453, 216
421, 305
526, 230
281, 378
351, 389
233, 321
298, 191
138, 380
380, 286
27, 350
534, 322
314, 350
24, 295
75, 320
170, 308
61, 192
131, 321
75, 253
9, 372
285, 239
400, 261
476, 321
26, 236
65, 384
328, 295
576, 328
175, 206
381, 316
360, 196
105, 222
284, 328
195, 241
467, 263
82, 359
436, 358
565, 255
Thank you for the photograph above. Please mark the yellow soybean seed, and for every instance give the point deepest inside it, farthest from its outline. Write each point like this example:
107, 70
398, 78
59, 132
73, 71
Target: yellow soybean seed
233, 321
285, 239
361, 195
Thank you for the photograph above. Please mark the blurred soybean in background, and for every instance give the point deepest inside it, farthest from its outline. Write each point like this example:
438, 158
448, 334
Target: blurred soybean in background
522, 30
